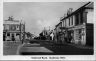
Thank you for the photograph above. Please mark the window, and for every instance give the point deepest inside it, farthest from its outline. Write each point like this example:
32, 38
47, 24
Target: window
18, 27
69, 21
17, 34
13, 27
65, 22
62, 23
81, 19
72, 20
79, 34
8, 34
77, 19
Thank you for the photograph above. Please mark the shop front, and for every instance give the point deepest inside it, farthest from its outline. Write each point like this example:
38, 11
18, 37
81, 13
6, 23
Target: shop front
80, 36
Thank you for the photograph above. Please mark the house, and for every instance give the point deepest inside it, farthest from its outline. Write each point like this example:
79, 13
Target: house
58, 33
77, 27
13, 30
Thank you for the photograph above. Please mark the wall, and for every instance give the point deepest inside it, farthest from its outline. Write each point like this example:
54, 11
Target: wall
90, 15
89, 34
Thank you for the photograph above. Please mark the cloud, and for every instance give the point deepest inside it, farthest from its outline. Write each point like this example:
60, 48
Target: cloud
38, 15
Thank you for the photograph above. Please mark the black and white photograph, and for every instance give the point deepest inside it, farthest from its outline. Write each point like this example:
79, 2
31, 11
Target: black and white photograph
48, 28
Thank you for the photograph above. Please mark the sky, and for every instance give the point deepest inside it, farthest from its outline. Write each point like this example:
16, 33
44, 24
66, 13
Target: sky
38, 15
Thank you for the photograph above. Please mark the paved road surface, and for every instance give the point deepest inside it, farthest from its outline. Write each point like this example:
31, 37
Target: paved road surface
35, 48
46, 48
10, 48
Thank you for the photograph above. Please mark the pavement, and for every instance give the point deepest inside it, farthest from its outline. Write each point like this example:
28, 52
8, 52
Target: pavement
33, 49
45, 48
81, 46
10, 48
69, 49
48, 48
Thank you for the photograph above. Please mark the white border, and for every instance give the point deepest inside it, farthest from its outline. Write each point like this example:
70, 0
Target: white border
67, 57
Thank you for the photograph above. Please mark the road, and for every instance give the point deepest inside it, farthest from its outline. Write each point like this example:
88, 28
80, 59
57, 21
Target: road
10, 47
47, 48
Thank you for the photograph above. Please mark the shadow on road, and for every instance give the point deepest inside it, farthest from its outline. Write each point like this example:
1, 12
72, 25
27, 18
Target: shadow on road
57, 49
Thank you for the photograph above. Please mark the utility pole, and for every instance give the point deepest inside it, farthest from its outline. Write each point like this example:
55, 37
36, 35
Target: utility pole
49, 28
44, 31
49, 33
20, 32
24, 31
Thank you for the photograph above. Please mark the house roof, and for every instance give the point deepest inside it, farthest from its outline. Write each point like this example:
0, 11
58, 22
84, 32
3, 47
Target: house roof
87, 5
58, 24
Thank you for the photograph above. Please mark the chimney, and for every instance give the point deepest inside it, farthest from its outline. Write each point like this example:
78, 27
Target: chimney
64, 15
70, 10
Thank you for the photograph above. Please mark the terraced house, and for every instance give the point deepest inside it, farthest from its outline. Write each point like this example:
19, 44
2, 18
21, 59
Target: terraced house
77, 27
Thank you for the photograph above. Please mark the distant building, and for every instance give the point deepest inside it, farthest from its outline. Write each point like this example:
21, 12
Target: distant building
13, 30
29, 36
46, 34
78, 25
